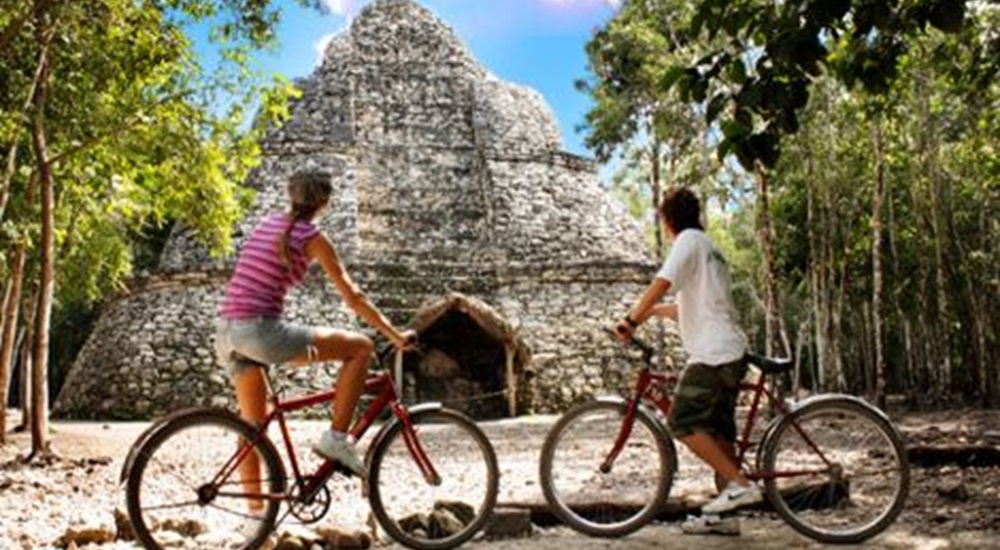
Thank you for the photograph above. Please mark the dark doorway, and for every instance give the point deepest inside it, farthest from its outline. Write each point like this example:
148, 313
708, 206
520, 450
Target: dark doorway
463, 367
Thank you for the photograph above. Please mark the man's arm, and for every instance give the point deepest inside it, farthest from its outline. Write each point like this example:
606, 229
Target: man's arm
664, 311
642, 308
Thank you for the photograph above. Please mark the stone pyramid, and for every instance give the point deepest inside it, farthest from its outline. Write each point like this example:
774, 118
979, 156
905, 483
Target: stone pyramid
447, 180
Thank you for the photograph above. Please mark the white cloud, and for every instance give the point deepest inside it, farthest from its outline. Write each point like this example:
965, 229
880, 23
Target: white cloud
321, 45
614, 4
338, 7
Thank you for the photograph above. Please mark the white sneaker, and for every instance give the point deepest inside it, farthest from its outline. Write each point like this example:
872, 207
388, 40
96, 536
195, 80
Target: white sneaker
711, 525
734, 496
339, 450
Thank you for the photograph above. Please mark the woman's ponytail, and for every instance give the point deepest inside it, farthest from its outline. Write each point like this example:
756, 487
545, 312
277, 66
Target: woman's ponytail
308, 191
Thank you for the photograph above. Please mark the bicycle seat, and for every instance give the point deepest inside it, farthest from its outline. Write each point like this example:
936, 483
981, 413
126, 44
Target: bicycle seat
770, 365
244, 361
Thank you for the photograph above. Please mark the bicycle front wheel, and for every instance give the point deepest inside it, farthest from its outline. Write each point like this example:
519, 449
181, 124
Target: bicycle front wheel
591, 495
836, 471
433, 513
175, 498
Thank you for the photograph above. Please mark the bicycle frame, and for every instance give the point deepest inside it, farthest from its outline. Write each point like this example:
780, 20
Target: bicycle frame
386, 396
652, 387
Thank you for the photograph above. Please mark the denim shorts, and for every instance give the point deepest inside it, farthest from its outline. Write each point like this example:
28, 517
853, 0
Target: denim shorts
259, 341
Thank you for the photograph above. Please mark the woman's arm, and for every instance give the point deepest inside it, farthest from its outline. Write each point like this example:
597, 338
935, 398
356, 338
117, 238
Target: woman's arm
321, 249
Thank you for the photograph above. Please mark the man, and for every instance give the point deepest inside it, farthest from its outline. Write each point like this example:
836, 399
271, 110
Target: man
704, 409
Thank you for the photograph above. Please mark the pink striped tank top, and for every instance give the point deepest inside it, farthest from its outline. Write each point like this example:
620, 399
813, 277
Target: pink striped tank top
261, 281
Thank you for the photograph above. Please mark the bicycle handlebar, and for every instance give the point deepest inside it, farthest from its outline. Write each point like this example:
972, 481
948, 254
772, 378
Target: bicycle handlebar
385, 351
646, 349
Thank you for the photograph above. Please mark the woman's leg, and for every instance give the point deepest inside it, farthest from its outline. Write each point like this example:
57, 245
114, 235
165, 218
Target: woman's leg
251, 393
355, 351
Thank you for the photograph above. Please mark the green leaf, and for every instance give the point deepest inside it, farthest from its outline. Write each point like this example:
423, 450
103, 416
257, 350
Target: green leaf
736, 71
716, 105
671, 76
734, 130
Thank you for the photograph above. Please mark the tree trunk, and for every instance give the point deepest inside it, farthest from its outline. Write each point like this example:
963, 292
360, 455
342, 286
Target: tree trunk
837, 375
879, 353
772, 311
655, 184
943, 320
43, 313
24, 361
801, 341
12, 303
906, 377
655, 180
817, 281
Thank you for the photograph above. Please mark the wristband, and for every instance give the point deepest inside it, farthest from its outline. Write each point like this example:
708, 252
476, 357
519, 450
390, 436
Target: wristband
630, 322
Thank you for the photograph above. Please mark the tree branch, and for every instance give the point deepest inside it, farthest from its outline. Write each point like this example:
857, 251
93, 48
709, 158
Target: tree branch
11, 165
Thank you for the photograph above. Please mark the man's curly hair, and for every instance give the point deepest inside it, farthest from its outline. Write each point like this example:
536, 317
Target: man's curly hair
681, 209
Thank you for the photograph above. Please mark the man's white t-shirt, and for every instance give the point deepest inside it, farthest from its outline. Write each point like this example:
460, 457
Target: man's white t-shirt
698, 273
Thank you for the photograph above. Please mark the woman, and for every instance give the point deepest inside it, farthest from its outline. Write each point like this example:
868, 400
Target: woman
252, 333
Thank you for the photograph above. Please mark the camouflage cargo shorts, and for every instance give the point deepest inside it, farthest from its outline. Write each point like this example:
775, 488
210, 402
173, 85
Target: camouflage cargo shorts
705, 400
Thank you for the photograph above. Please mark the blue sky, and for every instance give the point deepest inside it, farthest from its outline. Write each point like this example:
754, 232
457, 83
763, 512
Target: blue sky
538, 43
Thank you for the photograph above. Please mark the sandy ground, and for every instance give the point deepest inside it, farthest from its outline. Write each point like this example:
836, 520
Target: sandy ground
38, 503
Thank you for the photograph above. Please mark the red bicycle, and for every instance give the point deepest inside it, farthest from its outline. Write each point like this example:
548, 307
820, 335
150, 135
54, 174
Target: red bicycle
833, 466
432, 481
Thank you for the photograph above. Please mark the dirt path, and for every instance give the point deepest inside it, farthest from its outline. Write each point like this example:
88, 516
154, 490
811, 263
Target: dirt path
757, 534
949, 507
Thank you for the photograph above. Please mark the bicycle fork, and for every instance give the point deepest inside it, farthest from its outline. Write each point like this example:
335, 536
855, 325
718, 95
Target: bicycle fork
416, 449
623, 434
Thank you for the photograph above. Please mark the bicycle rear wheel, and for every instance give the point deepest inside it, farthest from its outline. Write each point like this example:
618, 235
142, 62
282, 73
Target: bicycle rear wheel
843, 467
627, 496
424, 514
174, 500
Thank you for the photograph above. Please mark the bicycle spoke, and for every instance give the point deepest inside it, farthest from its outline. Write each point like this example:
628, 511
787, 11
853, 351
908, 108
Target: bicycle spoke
173, 472
860, 491
172, 501
169, 506
612, 502
440, 515
234, 512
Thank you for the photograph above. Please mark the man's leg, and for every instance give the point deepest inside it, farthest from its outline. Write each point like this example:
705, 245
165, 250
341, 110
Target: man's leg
702, 415
728, 447
709, 449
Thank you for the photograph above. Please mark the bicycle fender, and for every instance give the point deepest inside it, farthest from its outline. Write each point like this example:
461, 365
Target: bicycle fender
852, 399
644, 410
812, 401
433, 406
148, 433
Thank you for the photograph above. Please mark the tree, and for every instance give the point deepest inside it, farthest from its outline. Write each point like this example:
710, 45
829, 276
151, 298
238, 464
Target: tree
124, 133
756, 61
880, 208
630, 116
